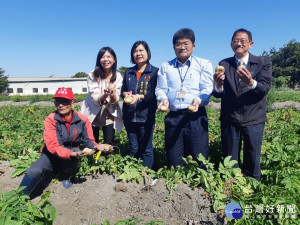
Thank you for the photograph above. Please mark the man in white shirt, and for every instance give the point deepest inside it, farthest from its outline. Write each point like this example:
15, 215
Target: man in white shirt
184, 81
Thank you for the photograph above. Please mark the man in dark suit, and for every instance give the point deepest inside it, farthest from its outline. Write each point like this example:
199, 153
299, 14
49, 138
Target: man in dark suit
243, 88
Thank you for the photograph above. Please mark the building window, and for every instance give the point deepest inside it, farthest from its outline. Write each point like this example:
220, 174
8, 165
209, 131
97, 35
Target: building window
84, 89
10, 90
45, 90
19, 90
35, 90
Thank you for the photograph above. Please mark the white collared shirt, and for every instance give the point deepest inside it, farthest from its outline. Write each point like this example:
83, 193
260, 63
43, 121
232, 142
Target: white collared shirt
194, 78
245, 60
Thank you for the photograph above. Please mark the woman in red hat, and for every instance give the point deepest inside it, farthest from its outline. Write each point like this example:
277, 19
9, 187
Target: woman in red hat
64, 131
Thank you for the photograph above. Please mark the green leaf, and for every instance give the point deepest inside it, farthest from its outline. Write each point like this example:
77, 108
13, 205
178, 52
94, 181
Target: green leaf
106, 222
247, 190
227, 160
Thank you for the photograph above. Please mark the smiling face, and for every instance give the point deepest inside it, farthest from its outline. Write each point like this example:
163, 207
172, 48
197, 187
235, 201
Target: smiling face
140, 55
64, 106
184, 49
241, 44
107, 61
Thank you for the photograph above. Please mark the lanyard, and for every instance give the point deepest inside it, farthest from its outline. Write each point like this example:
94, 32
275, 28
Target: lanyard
183, 78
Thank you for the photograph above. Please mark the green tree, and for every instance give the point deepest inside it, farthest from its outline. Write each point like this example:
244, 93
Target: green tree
80, 74
122, 70
286, 61
3, 81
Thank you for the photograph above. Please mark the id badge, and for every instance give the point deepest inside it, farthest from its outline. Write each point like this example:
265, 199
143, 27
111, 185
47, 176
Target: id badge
180, 94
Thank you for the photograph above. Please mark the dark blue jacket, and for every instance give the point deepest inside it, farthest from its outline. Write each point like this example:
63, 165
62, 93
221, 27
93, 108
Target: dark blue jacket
143, 111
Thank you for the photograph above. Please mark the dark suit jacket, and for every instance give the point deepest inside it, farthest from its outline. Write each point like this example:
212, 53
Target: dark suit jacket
241, 105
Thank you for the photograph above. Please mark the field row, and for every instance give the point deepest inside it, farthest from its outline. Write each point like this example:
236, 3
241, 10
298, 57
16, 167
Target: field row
21, 139
273, 96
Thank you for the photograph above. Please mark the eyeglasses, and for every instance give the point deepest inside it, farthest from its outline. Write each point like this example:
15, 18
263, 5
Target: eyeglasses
63, 102
236, 41
185, 45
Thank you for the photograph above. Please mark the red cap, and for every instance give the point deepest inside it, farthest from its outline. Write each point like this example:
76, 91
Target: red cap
64, 93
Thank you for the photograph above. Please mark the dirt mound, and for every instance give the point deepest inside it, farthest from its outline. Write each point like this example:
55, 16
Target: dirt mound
287, 104
92, 200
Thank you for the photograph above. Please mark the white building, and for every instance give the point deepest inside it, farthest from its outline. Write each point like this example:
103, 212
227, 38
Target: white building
44, 86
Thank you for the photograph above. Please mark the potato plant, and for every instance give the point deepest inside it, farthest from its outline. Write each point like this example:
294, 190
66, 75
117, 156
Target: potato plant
16, 208
21, 139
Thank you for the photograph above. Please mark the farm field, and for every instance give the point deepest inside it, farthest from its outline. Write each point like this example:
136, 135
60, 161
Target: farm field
275, 95
181, 195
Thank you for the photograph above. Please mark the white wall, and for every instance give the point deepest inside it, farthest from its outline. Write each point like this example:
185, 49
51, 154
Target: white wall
76, 85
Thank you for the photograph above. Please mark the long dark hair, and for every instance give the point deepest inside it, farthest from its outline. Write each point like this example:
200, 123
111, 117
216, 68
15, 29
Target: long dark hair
99, 71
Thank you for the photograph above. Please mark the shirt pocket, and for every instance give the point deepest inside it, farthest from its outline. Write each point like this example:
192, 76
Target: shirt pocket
193, 78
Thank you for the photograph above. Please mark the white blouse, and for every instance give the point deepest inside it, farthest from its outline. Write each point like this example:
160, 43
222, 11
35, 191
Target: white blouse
91, 105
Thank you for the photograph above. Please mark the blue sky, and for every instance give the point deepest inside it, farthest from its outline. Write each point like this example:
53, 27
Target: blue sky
43, 38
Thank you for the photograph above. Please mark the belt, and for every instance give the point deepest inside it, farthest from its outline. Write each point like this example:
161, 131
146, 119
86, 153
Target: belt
180, 111
183, 111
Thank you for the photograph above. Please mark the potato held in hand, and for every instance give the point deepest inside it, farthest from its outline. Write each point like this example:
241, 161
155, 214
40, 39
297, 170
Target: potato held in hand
111, 87
192, 108
240, 67
220, 69
163, 108
128, 99
108, 148
88, 150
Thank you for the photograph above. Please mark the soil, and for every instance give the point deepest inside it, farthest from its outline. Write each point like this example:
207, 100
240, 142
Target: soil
92, 200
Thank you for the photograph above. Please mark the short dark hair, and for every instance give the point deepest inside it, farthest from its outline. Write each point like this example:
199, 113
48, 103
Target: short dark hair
135, 45
184, 33
99, 71
243, 31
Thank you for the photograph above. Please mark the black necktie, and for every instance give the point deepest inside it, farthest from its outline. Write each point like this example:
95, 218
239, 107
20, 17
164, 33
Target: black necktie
240, 63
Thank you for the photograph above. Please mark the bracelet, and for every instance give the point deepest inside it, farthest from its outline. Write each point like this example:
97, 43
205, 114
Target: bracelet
139, 97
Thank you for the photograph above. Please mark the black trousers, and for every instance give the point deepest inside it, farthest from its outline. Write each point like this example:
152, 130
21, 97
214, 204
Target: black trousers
108, 134
140, 137
186, 134
40, 174
232, 137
